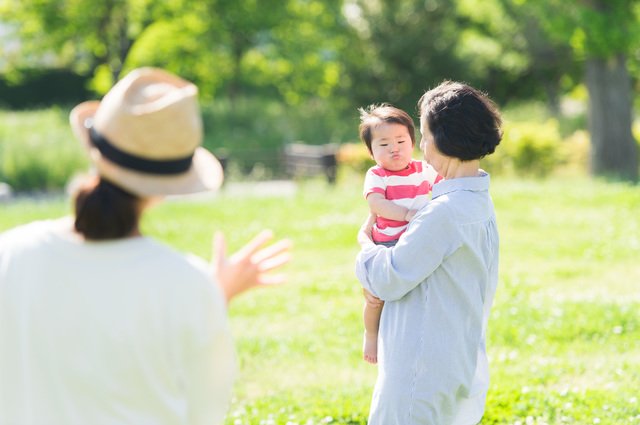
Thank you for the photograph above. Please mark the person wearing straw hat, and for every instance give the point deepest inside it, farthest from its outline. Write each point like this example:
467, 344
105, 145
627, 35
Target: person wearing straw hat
100, 324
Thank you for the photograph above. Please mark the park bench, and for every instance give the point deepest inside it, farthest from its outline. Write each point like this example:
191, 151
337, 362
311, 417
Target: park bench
302, 160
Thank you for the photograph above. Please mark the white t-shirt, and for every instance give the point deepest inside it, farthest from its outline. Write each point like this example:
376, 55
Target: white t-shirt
117, 332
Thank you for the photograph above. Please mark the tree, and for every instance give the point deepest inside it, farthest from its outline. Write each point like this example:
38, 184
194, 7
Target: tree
507, 51
602, 33
308, 48
614, 149
238, 26
90, 37
405, 47
284, 47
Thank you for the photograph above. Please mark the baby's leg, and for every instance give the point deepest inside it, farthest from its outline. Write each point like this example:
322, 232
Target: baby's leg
371, 315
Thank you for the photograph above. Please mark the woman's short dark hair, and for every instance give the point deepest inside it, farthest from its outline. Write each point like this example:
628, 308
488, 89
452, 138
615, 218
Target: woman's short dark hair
464, 122
105, 211
374, 115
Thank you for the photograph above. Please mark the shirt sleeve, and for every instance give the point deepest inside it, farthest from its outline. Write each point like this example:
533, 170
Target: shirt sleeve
373, 183
390, 273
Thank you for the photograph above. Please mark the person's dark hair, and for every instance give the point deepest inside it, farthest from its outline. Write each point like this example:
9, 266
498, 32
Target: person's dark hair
464, 122
105, 211
374, 115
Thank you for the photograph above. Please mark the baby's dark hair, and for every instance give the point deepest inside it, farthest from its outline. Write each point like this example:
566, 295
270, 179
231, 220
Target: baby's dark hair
376, 114
464, 122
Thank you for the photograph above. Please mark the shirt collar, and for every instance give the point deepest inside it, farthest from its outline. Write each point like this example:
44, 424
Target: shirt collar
473, 184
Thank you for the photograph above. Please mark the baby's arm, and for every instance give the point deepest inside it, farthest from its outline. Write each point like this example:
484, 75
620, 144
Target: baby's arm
382, 207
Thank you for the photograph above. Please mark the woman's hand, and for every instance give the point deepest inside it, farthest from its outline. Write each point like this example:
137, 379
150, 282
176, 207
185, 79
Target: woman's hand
249, 267
364, 234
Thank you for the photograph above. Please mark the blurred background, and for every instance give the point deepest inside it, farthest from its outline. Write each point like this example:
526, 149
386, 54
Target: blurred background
564, 335
271, 72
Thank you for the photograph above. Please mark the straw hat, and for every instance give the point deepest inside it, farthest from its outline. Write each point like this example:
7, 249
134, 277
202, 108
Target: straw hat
146, 134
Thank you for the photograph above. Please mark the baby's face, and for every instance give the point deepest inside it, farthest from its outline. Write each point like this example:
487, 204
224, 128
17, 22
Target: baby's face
391, 146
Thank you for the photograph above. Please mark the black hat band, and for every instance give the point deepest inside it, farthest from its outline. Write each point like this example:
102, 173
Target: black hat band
117, 156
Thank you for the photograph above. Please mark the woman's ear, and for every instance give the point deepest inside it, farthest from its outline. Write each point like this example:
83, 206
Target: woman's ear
151, 201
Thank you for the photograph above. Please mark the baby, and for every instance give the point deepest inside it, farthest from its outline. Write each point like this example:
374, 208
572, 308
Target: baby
395, 188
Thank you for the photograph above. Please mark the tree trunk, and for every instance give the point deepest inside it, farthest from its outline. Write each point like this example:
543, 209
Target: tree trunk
613, 148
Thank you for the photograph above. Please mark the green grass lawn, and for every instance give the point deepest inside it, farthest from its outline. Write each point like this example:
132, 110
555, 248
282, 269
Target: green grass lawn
564, 335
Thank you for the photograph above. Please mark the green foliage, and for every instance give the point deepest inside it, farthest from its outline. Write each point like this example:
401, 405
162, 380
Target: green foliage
496, 41
533, 148
402, 48
527, 148
177, 45
306, 48
576, 152
286, 48
252, 132
562, 337
81, 34
37, 150
28, 88
598, 28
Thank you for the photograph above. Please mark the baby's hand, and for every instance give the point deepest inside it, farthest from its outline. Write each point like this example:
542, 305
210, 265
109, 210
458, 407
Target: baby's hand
371, 299
409, 215
364, 235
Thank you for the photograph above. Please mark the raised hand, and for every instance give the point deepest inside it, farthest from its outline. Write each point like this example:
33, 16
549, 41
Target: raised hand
250, 266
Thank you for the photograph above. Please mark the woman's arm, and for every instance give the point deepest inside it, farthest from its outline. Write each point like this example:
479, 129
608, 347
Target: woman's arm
390, 273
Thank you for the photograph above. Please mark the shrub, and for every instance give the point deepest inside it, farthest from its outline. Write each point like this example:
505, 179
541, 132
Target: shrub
42, 87
576, 150
252, 131
354, 156
527, 148
38, 150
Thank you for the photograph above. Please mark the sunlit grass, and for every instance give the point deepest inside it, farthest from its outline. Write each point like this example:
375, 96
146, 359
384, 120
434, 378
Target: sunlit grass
564, 332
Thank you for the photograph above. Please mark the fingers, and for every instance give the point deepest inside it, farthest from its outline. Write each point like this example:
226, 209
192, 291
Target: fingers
274, 262
250, 266
219, 249
271, 258
366, 227
371, 299
254, 244
272, 251
364, 237
370, 220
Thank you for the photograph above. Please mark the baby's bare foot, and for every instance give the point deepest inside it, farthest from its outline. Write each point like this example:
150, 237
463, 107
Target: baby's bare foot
370, 347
